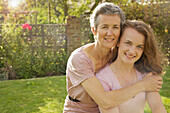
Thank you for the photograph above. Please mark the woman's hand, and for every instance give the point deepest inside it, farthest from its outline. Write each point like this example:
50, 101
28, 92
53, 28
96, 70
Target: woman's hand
152, 82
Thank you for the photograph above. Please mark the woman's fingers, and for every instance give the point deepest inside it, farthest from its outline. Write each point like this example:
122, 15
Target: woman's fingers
152, 82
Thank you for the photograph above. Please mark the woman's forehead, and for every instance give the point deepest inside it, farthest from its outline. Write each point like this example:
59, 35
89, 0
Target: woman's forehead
133, 35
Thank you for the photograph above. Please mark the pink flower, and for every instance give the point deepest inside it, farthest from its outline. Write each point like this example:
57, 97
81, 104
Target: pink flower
29, 27
29, 39
26, 26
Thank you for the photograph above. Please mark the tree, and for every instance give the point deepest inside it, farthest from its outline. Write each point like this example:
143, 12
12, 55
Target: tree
56, 11
4, 6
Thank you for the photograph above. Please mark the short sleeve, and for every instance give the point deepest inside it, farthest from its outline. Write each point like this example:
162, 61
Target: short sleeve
79, 68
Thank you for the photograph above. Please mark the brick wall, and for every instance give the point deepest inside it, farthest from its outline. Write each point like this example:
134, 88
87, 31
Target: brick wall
73, 33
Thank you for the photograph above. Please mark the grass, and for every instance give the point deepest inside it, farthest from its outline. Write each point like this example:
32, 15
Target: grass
41, 95
47, 95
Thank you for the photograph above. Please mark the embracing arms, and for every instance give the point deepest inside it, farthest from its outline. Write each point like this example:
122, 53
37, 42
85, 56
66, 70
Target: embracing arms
113, 98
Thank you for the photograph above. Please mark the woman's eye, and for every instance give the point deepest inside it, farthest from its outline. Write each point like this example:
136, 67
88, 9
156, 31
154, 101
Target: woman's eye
104, 27
140, 47
128, 43
115, 27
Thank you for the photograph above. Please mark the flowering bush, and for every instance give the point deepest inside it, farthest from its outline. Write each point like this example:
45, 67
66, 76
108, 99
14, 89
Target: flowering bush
27, 59
15, 51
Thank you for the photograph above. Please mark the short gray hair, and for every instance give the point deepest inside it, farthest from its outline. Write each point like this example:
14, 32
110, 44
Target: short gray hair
106, 9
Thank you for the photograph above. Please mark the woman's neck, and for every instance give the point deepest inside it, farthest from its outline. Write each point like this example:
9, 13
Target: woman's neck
99, 56
125, 73
121, 67
99, 52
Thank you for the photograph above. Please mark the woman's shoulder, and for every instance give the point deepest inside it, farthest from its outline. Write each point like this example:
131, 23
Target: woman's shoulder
79, 51
107, 78
78, 56
141, 74
103, 71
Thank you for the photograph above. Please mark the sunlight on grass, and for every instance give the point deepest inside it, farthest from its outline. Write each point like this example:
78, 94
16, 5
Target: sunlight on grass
166, 102
41, 95
51, 105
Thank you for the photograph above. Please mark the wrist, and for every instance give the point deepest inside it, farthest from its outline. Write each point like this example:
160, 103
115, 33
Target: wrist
141, 86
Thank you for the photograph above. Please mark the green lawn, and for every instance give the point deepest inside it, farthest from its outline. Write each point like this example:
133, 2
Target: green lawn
46, 95
41, 95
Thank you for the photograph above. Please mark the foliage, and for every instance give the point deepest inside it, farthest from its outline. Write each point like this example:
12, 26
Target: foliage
57, 11
3, 5
47, 95
2, 75
11, 48
77, 10
24, 59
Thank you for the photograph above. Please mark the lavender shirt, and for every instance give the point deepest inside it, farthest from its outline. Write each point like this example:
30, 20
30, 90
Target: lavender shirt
110, 82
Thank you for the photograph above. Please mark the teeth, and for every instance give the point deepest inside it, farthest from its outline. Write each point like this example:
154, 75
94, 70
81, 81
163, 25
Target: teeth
130, 56
108, 39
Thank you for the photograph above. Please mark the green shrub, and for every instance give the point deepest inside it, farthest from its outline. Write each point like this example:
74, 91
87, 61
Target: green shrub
24, 59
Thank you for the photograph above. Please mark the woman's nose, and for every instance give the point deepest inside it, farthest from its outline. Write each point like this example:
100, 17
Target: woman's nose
109, 32
132, 49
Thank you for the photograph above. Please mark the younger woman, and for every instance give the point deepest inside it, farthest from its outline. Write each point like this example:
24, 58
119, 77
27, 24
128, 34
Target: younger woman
137, 56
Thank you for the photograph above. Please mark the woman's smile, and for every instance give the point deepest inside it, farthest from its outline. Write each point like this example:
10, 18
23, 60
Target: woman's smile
109, 39
130, 56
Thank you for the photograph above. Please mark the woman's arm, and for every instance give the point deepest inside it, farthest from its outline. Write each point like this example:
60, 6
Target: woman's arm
155, 102
109, 110
113, 98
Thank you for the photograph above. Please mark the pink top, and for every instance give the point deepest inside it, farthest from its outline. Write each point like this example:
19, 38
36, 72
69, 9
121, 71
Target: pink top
79, 68
110, 82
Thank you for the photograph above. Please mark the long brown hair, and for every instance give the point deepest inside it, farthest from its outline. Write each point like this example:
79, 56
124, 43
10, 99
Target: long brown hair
150, 60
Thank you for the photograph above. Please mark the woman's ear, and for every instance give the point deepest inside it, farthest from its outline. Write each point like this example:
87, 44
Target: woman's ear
118, 43
93, 30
